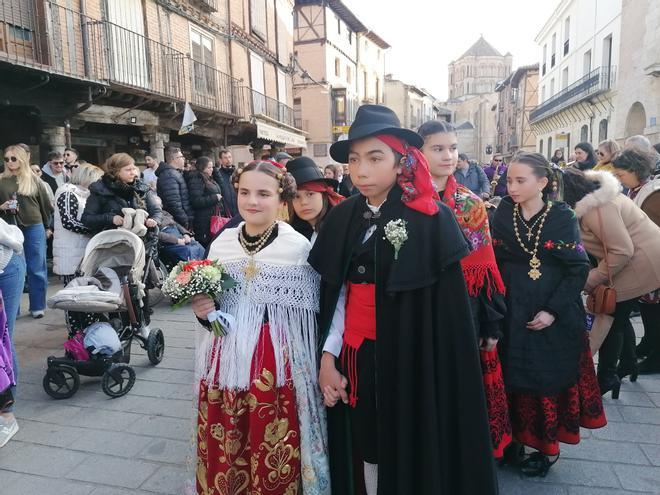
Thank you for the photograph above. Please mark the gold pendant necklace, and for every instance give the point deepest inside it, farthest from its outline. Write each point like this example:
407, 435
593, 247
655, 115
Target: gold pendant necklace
534, 263
252, 248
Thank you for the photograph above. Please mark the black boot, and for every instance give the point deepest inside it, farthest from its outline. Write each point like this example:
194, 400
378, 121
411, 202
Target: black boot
643, 348
609, 383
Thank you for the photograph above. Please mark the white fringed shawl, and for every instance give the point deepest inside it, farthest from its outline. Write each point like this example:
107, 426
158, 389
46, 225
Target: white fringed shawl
286, 289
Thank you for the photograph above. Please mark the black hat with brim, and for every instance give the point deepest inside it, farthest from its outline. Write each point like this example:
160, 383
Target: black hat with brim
305, 170
372, 120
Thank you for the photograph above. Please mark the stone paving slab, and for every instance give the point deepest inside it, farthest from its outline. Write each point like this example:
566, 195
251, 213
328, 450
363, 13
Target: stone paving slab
137, 444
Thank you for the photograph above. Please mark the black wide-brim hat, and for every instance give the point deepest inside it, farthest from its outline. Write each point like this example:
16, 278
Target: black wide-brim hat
304, 170
372, 120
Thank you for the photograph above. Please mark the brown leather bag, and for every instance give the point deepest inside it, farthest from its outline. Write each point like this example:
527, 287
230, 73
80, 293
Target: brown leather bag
603, 298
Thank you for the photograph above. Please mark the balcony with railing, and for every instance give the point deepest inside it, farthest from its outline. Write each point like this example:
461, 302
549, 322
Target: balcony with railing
70, 44
208, 5
595, 82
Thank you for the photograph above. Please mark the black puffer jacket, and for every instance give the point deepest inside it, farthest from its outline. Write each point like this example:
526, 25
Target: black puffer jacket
107, 198
173, 191
222, 177
204, 201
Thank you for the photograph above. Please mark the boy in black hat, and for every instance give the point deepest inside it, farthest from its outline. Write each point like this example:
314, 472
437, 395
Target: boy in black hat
400, 369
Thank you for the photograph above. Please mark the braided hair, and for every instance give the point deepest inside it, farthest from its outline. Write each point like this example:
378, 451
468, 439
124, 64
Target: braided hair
541, 167
287, 189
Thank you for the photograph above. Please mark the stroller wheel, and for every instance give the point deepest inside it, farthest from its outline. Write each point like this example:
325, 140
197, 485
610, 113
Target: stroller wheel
118, 380
61, 382
155, 346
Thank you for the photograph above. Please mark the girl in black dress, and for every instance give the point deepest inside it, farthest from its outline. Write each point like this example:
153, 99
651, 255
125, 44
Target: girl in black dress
548, 369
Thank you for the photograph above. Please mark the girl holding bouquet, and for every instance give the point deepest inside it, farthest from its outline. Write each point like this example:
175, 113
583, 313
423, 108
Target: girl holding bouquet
261, 423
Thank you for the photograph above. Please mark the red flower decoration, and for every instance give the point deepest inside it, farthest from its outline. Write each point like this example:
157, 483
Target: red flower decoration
549, 244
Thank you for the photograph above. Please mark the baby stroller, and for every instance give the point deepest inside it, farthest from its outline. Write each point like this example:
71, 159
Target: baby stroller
109, 291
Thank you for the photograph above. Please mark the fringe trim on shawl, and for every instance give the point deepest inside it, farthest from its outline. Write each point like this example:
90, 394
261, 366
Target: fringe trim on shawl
477, 276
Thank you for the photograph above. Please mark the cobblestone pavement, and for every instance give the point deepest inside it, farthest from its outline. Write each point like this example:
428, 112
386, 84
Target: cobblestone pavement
137, 444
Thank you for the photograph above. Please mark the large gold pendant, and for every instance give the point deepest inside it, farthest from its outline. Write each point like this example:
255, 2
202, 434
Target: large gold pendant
251, 270
534, 264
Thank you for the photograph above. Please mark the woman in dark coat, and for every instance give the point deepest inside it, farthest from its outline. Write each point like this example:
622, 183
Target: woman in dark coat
119, 188
548, 369
205, 198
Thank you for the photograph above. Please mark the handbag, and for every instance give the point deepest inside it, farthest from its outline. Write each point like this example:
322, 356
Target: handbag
602, 299
218, 221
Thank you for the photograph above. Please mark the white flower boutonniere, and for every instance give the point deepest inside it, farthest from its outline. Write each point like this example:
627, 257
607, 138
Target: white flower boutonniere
396, 233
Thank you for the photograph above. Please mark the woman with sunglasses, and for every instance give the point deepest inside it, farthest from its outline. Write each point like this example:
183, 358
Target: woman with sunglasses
25, 202
607, 152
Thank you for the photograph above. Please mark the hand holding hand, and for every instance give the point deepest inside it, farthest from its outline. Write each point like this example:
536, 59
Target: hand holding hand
332, 383
487, 344
118, 220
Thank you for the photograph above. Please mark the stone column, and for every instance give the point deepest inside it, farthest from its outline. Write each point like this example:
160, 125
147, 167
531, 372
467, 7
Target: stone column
157, 142
55, 137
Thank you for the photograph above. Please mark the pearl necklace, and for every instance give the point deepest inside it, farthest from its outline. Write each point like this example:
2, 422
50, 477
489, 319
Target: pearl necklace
253, 247
534, 263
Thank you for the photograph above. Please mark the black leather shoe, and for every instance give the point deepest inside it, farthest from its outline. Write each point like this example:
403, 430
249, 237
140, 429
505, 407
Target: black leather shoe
537, 464
608, 383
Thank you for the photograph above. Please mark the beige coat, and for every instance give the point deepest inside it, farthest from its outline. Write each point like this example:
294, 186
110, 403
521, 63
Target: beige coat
633, 240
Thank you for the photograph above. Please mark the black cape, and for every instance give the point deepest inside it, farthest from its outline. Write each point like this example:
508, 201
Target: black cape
433, 432
542, 362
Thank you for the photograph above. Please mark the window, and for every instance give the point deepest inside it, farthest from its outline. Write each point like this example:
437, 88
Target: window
321, 149
348, 74
552, 87
201, 46
258, 18
602, 130
584, 133
564, 78
586, 63
365, 87
350, 37
542, 94
567, 34
377, 95
295, 18
337, 67
338, 25
545, 58
281, 86
541, 146
549, 148
257, 84
554, 50
339, 106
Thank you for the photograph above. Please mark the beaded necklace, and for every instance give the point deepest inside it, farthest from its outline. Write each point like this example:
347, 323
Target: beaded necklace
534, 263
253, 247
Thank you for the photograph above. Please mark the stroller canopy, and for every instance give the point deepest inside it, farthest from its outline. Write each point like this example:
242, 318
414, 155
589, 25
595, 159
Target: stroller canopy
116, 248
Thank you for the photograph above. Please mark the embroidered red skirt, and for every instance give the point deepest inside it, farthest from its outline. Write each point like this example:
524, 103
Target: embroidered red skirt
249, 441
541, 422
498, 410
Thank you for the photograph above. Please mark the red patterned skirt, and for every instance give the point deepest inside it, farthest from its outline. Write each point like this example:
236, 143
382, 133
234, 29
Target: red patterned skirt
249, 441
541, 422
498, 411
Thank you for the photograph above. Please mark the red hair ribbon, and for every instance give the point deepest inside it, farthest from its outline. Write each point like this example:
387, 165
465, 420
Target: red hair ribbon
277, 164
321, 187
415, 178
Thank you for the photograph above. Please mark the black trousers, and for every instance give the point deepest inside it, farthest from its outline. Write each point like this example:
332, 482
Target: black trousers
651, 319
620, 341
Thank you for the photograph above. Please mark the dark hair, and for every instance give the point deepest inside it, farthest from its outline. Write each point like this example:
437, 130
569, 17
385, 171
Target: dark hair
223, 151
576, 186
301, 225
656, 147
435, 127
636, 161
72, 150
541, 168
589, 150
463, 157
53, 155
200, 164
287, 183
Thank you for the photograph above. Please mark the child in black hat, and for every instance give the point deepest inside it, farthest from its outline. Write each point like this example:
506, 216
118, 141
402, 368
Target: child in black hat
411, 400
315, 197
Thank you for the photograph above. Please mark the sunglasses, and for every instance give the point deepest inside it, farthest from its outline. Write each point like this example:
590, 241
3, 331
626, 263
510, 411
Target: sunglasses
12, 158
495, 160
600, 153
58, 163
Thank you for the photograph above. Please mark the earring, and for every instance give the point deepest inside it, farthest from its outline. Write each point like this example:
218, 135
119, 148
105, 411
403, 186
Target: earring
280, 190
